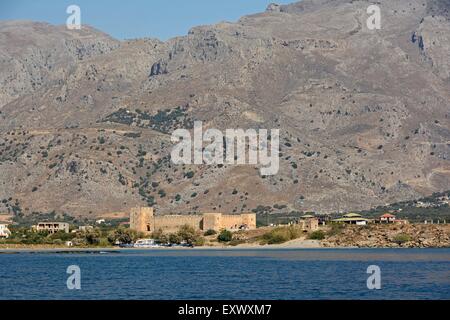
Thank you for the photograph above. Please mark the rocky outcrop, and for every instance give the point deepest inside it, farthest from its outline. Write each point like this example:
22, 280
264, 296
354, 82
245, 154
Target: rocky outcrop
158, 68
433, 40
391, 236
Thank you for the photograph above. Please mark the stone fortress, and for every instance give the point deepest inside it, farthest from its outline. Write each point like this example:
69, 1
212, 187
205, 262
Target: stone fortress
142, 219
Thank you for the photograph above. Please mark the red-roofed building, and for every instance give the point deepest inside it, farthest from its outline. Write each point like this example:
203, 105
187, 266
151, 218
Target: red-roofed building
388, 218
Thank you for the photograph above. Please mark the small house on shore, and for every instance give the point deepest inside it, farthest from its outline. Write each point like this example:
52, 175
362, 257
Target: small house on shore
4, 231
390, 218
308, 223
52, 227
387, 218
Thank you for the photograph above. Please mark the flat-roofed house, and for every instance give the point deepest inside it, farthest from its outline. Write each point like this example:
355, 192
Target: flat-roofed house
52, 227
353, 218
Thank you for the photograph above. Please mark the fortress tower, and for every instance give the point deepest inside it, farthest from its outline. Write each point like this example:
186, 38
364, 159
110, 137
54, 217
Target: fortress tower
142, 220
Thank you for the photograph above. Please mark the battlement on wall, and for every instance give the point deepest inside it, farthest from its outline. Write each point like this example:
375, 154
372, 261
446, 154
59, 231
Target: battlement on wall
142, 219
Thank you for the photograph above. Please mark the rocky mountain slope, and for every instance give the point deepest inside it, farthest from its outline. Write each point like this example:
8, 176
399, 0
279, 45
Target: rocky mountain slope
364, 115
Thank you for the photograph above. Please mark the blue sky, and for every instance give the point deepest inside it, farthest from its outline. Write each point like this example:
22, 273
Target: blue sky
124, 19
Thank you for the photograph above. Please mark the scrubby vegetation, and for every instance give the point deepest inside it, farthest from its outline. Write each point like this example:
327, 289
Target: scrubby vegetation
100, 236
124, 236
433, 210
210, 232
91, 237
281, 235
402, 238
186, 234
164, 121
225, 236
317, 235
336, 228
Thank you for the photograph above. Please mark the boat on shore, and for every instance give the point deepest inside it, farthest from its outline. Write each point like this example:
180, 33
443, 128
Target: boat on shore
146, 243
152, 243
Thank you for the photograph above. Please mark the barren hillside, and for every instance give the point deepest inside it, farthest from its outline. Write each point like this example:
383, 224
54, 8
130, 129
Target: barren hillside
364, 115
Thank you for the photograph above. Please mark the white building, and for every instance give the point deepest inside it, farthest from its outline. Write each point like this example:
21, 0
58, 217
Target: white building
100, 221
52, 227
4, 231
85, 228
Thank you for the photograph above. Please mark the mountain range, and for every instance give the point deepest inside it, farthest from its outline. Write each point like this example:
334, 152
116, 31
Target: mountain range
364, 115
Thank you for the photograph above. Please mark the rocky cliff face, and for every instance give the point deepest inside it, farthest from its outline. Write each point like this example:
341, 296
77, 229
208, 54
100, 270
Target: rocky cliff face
33, 55
364, 115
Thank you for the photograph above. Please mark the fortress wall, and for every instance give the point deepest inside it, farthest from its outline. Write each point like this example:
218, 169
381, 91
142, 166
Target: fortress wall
212, 221
231, 221
249, 219
172, 223
142, 219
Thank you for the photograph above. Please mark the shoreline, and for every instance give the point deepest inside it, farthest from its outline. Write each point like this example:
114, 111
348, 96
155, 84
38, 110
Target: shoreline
377, 237
217, 247
203, 248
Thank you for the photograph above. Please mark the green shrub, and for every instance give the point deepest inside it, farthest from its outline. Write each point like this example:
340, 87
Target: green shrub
277, 239
225, 236
92, 237
122, 235
317, 235
402, 238
189, 174
210, 232
104, 242
188, 234
162, 193
174, 238
61, 235
199, 242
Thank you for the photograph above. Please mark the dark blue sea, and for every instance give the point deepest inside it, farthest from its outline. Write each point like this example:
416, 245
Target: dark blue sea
227, 274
